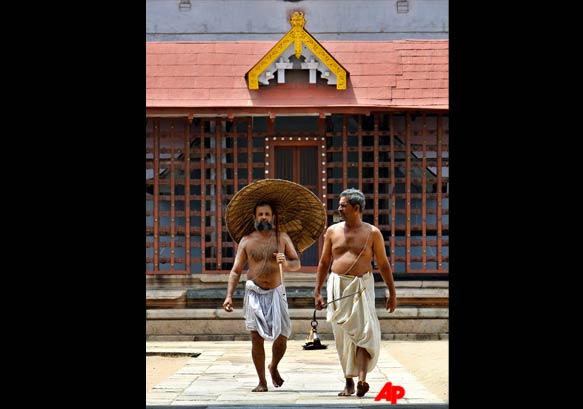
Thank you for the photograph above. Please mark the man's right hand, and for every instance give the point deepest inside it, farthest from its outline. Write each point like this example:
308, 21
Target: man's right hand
228, 304
318, 301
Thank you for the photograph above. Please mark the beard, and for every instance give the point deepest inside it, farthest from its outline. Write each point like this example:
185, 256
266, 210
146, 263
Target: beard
264, 225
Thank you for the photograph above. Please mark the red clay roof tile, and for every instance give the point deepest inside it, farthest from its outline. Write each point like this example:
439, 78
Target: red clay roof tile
392, 74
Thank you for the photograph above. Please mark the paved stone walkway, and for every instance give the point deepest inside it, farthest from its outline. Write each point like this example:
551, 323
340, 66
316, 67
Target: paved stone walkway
223, 375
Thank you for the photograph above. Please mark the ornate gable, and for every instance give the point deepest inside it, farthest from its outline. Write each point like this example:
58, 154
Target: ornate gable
286, 54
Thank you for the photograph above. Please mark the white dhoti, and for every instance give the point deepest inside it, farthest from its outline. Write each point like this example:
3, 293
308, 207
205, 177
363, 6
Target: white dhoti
266, 311
354, 320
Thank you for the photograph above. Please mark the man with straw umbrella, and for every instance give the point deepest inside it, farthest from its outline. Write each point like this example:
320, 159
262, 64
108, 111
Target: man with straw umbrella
273, 221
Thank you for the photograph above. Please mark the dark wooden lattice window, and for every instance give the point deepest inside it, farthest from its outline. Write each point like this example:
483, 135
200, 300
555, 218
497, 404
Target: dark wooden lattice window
400, 162
186, 194
167, 203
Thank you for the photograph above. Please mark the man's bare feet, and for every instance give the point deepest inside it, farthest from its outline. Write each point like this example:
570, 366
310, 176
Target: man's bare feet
275, 377
260, 388
348, 389
361, 388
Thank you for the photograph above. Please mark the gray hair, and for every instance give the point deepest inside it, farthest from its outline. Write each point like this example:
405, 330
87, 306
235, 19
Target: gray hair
355, 197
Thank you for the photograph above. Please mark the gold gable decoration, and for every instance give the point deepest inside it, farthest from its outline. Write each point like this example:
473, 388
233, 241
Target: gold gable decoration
298, 35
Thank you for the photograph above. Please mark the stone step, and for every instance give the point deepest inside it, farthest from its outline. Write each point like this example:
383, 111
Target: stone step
410, 293
217, 324
295, 313
165, 298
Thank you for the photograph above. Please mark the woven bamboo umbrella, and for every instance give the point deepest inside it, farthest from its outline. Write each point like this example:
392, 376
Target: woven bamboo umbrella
298, 211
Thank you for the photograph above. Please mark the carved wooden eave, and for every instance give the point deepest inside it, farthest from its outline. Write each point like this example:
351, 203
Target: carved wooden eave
297, 42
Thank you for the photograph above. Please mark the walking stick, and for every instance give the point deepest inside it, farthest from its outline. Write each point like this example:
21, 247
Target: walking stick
281, 273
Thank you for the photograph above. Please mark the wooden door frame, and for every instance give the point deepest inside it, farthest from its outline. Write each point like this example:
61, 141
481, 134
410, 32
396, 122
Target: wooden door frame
301, 141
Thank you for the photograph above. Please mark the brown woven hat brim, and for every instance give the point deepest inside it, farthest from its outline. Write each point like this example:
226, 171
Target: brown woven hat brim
298, 211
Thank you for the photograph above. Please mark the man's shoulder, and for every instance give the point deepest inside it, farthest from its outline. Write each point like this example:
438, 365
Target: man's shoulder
372, 227
335, 226
248, 237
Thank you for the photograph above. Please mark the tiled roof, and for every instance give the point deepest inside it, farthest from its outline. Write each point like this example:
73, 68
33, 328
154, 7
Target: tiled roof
393, 74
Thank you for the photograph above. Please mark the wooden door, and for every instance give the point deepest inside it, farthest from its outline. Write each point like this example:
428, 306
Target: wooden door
299, 164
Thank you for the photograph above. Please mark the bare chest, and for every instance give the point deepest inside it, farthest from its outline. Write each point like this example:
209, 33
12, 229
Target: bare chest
352, 242
261, 251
